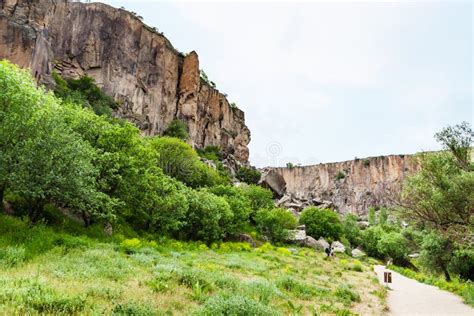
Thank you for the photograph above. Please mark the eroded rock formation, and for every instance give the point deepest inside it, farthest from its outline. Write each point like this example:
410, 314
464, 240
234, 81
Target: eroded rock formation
349, 186
138, 66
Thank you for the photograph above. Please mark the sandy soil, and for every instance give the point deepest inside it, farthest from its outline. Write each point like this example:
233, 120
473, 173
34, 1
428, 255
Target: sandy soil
408, 297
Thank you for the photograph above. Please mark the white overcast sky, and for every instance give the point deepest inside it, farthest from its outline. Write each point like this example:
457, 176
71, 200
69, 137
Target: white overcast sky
330, 81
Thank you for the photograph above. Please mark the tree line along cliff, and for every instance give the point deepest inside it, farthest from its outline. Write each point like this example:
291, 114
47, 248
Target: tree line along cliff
152, 82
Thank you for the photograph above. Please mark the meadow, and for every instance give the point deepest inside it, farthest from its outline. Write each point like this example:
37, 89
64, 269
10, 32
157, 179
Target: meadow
68, 270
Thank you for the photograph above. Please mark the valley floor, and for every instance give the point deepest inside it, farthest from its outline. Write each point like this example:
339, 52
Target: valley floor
81, 275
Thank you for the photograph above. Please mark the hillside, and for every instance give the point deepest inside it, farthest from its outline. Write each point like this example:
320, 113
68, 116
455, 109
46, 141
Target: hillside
52, 272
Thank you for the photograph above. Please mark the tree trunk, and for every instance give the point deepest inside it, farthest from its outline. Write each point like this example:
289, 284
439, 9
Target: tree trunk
446, 275
2, 193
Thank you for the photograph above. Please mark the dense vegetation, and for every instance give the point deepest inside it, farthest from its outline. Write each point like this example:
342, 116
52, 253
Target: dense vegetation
65, 161
68, 269
56, 153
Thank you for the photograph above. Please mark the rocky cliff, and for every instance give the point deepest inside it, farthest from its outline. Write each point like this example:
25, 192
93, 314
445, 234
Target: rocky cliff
349, 186
138, 66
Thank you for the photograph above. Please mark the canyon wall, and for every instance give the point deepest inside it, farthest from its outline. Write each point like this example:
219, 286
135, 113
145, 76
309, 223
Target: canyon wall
132, 62
350, 186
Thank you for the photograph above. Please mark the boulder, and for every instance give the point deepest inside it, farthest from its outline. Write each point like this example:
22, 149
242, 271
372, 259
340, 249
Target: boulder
274, 181
337, 246
357, 253
321, 243
309, 242
248, 239
296, 235
363, 224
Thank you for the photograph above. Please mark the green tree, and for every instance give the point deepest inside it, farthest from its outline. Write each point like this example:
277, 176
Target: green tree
458, 140
178, 160
248, 175
383, 216
393, 245
177, 129
275, 223
239, 205
321, 223
207, 218
372, 218
370, 240
260, 198
436, 253
351, 230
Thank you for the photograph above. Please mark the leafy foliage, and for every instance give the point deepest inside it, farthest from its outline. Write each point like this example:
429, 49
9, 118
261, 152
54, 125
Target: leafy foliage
248, 175
321, 223
85, 92
275, 223
177, 129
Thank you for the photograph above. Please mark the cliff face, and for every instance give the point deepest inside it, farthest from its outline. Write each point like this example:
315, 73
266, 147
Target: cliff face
350, 186
152, 81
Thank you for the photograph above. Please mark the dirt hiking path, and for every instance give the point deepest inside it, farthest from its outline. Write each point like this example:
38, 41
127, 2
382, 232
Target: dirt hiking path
408, 297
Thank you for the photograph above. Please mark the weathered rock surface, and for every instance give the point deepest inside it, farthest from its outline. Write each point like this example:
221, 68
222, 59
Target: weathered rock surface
150, 79
357, 253
322, 244
337, 246
350, 186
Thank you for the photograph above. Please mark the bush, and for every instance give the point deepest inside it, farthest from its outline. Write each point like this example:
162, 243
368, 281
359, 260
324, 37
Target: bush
85, 92
321, 223
436, 253
209, 217
259, 198
393, 245
178, 160
347, 295
132, 308
12, 256
234, 305
239, 205
210, 153
340, 175
248, 175
351, 230
275, 223
462, 264
370, 239
177, 129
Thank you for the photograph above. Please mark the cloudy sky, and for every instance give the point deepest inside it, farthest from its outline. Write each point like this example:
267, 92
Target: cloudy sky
330, 81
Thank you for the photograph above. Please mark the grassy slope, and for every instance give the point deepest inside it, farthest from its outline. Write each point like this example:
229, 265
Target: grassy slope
46, 271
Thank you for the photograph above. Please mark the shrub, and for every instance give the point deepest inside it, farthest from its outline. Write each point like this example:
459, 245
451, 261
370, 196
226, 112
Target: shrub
133, 308
436, 253
321, 223
234, 305
210, 153
462, 264
340, 175
346, 294
85, 92
130, 246
178, 160
239, 205
208, 217
351, 230
366, 162
290, 165
248, 175
275, 223
177, 129
259, 198
12, 256
370, 239
393, 245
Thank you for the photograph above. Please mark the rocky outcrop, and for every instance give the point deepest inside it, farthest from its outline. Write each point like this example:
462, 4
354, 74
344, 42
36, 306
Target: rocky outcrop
350, 186
135, 64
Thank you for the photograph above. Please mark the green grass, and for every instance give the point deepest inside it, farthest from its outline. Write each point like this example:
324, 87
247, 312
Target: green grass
69, 270
465, 289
